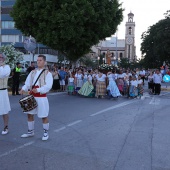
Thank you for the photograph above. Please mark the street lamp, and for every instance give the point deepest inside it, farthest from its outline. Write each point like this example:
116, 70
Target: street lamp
114, 59
98, 58
103, 60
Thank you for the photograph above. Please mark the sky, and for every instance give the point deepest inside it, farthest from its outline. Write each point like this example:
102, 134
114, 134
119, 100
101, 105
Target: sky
146, 13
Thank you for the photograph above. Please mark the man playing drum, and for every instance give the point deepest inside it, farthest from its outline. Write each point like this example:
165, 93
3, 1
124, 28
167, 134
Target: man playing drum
4, 99
43, 85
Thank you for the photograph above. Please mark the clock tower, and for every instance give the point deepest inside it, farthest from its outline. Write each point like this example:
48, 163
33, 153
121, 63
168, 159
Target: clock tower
130, 49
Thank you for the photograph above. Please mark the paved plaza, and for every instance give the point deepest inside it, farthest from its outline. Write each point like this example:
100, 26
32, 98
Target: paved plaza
92, 134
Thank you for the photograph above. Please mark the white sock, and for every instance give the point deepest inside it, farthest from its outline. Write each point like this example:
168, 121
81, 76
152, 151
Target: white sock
31, 125
46, 126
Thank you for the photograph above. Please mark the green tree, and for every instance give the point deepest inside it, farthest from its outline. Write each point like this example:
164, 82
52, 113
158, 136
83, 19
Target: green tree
124, 63
70, 26
155, 43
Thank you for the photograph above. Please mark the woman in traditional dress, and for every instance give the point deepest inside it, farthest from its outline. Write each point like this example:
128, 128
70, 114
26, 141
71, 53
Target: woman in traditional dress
140, 86
126, 82
112, 87
78, 80
87, 86
120, 82
85, 77
101, 85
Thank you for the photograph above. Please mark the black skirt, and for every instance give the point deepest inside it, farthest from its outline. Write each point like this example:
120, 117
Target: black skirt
56, 84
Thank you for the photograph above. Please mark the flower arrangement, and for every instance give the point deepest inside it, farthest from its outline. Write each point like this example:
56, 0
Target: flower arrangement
107, 67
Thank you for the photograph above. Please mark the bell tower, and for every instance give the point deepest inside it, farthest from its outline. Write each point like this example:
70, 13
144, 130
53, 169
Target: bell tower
130, 49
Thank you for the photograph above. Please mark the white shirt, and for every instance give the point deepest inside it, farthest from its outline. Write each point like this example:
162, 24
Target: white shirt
110, 77
43, 89
71, 79
142, 72
140, 81
79, 76
120, 75
150, 78
102, 78
89, 77
115, 76
134, 83
4, 71
157, 78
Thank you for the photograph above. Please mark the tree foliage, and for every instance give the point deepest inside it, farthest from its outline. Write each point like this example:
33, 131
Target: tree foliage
155, 43
70, 26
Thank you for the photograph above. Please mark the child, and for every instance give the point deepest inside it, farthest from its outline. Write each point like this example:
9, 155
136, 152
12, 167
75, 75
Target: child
70, 84
120, 84
133, 87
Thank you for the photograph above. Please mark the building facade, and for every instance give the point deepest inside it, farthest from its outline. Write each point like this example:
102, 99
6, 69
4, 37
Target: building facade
119, 48
9, 34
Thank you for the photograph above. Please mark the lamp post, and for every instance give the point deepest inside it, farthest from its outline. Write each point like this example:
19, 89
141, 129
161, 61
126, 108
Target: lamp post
114, 59
116, 49
98, 58
103, 60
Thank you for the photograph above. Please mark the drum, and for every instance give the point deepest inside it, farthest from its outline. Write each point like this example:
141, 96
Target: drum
28, 103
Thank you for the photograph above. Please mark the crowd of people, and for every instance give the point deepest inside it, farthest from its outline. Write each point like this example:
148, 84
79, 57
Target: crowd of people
101, 83
77, 81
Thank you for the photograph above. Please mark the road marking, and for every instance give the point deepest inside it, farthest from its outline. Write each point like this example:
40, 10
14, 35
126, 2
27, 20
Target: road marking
74, 123
53, 94
155, 101
16, 149
114, 107
60, 129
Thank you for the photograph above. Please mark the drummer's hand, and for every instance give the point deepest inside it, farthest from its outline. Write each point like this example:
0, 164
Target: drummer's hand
21, 91
34, 91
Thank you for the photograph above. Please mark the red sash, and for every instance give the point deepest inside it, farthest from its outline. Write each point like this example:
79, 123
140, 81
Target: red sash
37, 94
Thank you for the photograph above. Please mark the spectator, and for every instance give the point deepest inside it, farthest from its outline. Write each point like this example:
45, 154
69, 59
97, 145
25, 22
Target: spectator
56, 80
30, 68
62, 74
157, 79
16, 79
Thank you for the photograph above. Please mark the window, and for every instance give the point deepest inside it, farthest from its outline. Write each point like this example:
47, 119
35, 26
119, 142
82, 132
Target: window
8, 24
130, 30
6, 10
121, 55
10, 38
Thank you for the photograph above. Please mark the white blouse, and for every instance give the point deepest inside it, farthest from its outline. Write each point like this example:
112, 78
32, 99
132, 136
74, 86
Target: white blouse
71, 80
89, 77
140, 81
134, 83
79, 76
110, 77
102, 78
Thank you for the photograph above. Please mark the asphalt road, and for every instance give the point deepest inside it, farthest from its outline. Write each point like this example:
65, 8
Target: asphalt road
91, 134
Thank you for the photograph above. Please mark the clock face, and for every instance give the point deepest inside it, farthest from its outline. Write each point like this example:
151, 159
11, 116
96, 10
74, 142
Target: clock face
129, 40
